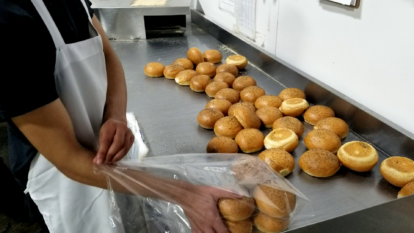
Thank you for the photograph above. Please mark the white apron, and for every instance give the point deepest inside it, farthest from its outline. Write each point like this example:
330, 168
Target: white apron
81, 83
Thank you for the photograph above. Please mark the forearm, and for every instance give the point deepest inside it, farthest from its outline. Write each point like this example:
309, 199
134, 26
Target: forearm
116, 96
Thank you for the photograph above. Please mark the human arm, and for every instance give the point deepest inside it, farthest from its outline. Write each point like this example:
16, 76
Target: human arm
49, 129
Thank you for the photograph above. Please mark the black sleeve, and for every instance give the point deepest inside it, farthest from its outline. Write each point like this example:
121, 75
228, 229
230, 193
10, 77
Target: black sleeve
27, 60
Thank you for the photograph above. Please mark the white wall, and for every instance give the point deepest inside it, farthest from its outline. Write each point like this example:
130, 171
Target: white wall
366, 54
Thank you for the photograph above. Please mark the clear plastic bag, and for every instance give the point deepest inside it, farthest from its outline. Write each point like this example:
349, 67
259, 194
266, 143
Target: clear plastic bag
165, 180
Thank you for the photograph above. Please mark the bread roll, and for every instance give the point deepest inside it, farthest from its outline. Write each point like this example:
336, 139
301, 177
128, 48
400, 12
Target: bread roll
319, 163
199, 83
336, 125
244, 104
242, 82
268, 115
232, 69
274, 202
184, 77
154, 69
227, 126
228, 94
222, 105
195, 56
206, 68
245, 226
184, 62
208, 117
290, 93
291, 123
284, 139
222, 145
322, 139
250, 140
171, 71
294, 107
267, 224
225, 77
247, 118
397, 170
212, 55
279, 160
316, 113
236, 209
268, 101
358, 156
214, 87
407, 190
239, 61
251, 94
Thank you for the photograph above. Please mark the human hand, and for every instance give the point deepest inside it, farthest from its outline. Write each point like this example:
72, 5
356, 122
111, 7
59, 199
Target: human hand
200, 206
115, 140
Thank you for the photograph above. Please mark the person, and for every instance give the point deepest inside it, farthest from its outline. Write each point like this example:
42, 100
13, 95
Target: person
64, 99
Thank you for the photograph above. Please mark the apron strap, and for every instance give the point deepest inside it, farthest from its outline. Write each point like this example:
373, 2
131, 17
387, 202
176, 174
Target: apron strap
50, 24
86, 9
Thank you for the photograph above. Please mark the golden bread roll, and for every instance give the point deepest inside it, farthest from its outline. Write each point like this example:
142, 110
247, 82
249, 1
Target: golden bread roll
268, 101
290, 93
291, 123
212, 55
245, 226
222, 145
236, 209
206, 68
171, 71
227, 126
244, 104
199, 83
268, 115
316, 113
185, 76
279, 160
228, 94
274, 202
242, 82
214, 87
338, 126
154, 69
397, 170
195, 56
247, 118
267, 224
232, 69
284, 139
251, 94
322, 139
407, 190
358, 156
239, 61
184, 62
222, 105
208, 117
248, 170
294, 107
319, 163
250, 140
225, 77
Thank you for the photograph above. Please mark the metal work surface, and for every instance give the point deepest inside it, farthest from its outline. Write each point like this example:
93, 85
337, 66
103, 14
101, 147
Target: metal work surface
167, 115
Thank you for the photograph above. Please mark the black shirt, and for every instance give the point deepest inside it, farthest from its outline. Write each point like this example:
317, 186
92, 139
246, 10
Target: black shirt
27, 64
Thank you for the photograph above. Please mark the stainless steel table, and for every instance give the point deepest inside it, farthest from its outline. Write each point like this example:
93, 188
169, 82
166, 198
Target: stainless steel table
167, 115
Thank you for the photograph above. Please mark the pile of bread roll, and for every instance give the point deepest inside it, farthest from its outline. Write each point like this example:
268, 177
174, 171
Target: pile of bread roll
239, 109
